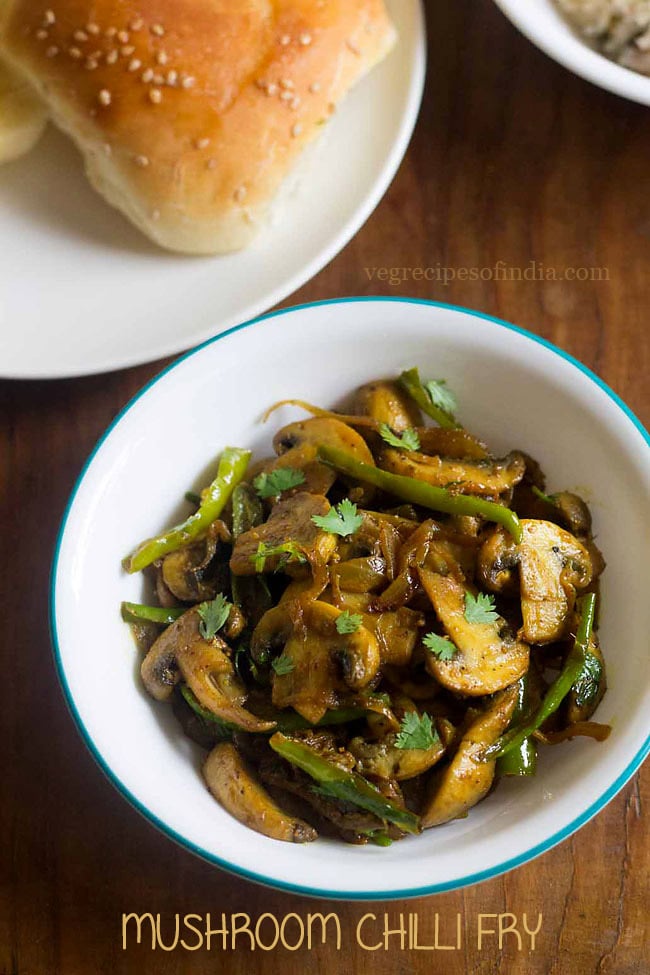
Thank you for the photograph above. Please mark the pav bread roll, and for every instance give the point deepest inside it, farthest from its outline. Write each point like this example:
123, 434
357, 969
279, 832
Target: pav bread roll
22, 116
190, 114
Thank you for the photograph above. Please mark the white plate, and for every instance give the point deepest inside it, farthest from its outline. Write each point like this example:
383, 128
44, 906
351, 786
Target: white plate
82, 292
515, 390
543, 23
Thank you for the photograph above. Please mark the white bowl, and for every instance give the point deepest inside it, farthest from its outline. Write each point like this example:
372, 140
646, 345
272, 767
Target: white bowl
543, 23
515, 390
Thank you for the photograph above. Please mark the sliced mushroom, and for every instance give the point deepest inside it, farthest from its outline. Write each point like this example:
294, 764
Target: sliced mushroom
190, 573
298, 442
488, 478
320, 431
552, 566
323, 661
467, 780
488, 656
396, 632
274, 629
289, 521
159, 670
164, 595
497, 564
469, 526
360, 575
574, 512
383, 760
181, 651
564, 508
415, 684
234, 786
299, 588
458, 444
318, 478
387, 403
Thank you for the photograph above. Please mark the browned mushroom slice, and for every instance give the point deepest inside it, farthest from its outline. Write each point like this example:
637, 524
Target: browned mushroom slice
564, 508
318, 478
396, 632
383, 760
574, 512
414, 683
360, 575
458, 444
320, 662
289, 521
488, 658
552, 565
387, 403
189, 573
467, 780
205, 666
299, 442
297, 447
159, 670
234, 786
320, 431
488, 478
181, 573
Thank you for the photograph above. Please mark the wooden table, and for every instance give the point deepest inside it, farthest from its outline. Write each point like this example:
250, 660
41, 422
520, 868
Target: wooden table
514, 160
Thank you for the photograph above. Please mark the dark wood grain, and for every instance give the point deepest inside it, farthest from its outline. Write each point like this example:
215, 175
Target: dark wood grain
514, 160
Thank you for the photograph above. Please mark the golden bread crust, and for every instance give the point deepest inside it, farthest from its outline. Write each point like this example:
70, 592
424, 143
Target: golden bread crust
191, 113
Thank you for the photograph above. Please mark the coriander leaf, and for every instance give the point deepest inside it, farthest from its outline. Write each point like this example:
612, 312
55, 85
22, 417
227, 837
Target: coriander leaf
416, 732
409, 440
342, 520
441, 396
275, 482
440, 646
283, 665
213, 616
348, 622
480, 609
290, 552
588, 684
259, 558
548, 498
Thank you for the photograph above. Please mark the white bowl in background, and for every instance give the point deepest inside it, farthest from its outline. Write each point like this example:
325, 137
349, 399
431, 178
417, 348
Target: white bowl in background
543, 23
515, 390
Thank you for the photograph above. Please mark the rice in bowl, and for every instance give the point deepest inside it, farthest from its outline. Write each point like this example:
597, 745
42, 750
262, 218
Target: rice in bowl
620, 29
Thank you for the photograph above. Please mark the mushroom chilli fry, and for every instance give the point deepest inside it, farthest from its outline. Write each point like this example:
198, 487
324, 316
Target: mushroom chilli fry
369, 629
